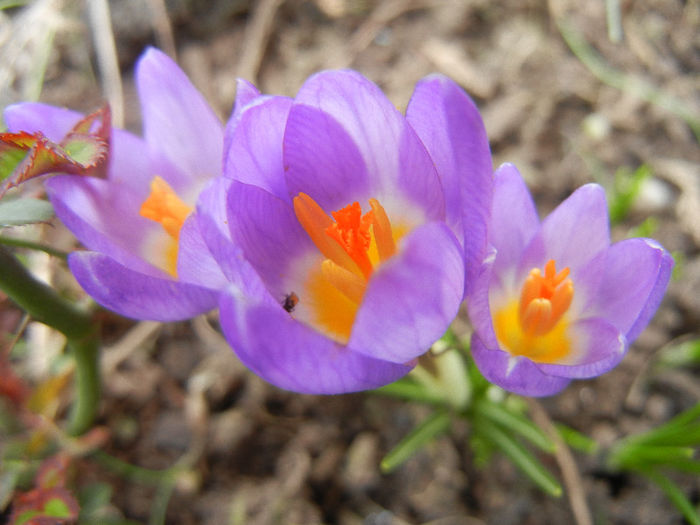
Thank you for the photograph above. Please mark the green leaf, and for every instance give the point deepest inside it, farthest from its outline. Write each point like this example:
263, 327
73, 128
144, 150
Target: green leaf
576, 439
684, 354
516, 423
519, 455
407, 388
438, 423
626, 188
19, 212
675, 494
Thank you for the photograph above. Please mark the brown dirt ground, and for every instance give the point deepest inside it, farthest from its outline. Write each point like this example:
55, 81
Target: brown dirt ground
256, 455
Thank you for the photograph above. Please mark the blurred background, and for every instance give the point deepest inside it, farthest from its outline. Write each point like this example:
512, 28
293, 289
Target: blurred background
571, 92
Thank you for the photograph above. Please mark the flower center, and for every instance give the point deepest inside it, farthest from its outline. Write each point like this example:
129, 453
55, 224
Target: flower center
544, 299
535, 326
166, 208
353, 245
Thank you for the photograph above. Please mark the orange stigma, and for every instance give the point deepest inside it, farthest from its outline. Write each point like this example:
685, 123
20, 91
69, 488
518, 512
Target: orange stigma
166, 208
353, 245
544, 299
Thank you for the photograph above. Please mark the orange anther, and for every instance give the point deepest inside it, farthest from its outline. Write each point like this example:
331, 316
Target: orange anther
544, 299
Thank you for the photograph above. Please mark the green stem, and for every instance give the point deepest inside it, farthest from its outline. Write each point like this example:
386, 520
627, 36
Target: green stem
21, 243
44, 304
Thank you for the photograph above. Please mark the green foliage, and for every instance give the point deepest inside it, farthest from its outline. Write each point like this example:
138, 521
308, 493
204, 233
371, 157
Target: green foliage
684, 354
435, 425
671, 446
626, 187
499, 422
18, 212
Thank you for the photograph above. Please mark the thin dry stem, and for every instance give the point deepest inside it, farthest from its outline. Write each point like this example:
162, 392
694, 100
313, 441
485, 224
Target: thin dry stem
567, 465
106, 49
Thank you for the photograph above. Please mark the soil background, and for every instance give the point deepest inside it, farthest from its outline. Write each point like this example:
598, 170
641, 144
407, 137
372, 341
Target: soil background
255, 455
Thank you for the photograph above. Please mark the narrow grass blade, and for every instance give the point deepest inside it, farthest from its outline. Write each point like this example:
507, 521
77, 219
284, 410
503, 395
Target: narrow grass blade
436, 424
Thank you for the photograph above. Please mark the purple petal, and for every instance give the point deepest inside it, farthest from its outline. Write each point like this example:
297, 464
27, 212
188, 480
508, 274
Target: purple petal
178, 123
104, 217
412, 298
478, 303
395, 159
195, 263
293, 356
254, 155
575, 232
515, 374
598, 347
514, 219
246, 92
322, 160
212, 212
636, 274
52, 121
450, 126
136, 295
268, 233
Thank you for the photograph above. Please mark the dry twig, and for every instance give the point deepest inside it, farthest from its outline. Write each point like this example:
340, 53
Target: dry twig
567, 465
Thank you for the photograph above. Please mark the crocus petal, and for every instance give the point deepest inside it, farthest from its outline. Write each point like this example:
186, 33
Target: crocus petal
134, 294
598, 347
177, 122
103, 216
195, 263
212, 214
514, 219
412, 298
267, 232
254, 155
478, 302
515, 374
575, 232
245, 94
294, 356
52, 121
450, 126
395, 158
636, 274
332, 171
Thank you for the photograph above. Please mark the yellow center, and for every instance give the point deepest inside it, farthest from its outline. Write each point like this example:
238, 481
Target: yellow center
535, 326
166, 208
353, 245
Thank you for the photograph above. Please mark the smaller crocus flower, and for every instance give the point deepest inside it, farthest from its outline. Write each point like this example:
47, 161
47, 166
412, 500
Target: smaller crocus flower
556, 301
146, 258
344, 233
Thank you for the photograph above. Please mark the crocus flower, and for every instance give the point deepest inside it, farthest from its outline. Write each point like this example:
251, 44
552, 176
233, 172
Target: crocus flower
556, 301
346, 228
146, 259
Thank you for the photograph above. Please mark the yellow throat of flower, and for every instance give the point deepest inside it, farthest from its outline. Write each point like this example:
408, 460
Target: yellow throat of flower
536, 325
164, 207
353, 245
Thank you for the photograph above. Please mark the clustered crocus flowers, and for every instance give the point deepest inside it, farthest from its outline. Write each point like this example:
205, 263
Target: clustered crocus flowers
340, 237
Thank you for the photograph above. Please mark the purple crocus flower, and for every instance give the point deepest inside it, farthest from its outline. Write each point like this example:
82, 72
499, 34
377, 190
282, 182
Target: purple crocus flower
556, 301
147, 259
346, 228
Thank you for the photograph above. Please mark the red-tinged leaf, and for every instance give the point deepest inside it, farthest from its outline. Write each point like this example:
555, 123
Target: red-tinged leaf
24, 156
11, 386
53, 472
54, 506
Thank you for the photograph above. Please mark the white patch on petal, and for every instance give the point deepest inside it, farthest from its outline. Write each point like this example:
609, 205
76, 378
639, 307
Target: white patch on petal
512, 363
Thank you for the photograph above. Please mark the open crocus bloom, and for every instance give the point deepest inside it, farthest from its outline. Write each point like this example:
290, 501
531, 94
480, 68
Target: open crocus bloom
343, 234
556, 301
147, 258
